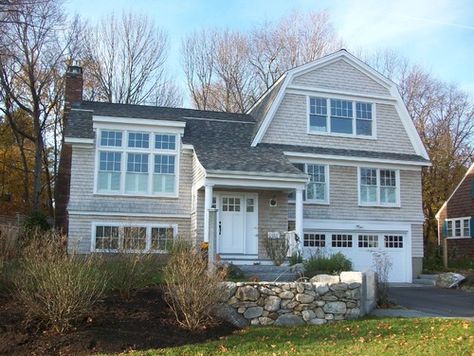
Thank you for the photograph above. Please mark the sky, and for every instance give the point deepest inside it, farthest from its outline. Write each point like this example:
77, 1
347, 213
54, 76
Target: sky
436, 34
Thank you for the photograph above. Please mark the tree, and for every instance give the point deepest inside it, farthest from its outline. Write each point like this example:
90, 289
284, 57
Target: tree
229, 70
36, 42
124, 60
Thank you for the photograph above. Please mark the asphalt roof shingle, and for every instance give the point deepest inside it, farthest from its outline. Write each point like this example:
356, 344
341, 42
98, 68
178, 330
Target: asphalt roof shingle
222, 141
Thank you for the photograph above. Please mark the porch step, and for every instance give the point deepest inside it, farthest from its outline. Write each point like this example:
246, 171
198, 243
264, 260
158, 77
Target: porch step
426, 279
269, 273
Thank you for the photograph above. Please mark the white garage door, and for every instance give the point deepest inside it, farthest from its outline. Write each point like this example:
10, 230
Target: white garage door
360, 248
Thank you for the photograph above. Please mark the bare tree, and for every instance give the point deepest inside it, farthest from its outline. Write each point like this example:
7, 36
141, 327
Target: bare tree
39, 38
229, 70
444, 118
125, 62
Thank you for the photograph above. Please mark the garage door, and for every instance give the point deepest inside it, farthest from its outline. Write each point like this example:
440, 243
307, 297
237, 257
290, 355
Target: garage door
360, 248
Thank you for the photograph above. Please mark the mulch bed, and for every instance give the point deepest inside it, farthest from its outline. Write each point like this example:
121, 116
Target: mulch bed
115, 325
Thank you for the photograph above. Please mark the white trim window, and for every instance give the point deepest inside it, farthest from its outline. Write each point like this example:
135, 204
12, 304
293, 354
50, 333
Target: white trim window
113, 237
458, 228
341, 117
137, 163
317, 189
379, 187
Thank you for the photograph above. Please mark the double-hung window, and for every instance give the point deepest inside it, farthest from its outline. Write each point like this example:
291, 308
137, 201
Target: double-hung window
137, 163
379, 187
341, 117
317, 189
460, 227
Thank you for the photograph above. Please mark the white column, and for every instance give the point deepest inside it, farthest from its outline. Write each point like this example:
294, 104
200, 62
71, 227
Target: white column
299, 215
207, 206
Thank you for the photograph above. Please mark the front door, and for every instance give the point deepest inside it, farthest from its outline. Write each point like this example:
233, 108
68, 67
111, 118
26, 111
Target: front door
231, 225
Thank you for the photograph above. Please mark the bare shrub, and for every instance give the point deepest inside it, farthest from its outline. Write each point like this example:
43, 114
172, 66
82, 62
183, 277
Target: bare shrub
277, 249
128, 272
57, 288
382, 264
190, 289
9, 251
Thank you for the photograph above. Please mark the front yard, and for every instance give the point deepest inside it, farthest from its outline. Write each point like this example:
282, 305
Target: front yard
366, 337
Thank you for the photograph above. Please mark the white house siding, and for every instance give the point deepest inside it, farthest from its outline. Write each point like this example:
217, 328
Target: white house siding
341, 75
80, 228
290, 126
198, 175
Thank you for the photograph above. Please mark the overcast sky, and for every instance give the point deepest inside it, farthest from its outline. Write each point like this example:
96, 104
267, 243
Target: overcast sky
438, 34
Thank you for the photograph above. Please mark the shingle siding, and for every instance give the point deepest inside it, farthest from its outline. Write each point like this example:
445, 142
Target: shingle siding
341, 75
290, 126
417, 240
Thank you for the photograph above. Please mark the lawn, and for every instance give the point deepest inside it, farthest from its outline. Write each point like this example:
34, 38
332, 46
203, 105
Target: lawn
365, 337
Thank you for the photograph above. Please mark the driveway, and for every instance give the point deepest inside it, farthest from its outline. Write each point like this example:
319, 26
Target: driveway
435, 301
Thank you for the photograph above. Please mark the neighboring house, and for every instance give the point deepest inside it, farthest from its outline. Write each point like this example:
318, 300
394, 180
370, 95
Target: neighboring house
329, 151
456, 220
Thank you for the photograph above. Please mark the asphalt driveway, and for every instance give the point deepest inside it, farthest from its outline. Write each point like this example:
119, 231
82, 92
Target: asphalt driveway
435, 301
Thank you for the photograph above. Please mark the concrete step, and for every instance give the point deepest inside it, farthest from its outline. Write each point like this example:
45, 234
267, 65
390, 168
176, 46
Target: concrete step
428, 276
425, 281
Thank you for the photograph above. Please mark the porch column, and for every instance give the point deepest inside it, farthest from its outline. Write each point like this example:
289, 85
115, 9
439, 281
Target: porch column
208, 188
299, 215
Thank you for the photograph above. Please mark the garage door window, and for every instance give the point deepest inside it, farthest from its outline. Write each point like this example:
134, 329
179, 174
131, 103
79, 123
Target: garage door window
314, 240
341, 240
393, 241
368, 241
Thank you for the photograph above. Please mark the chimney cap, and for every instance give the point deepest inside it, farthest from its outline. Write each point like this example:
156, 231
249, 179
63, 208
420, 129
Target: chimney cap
74, 69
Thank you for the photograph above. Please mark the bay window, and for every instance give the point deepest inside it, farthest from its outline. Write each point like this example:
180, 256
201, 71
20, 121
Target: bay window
344, 117
379, 187
128, 164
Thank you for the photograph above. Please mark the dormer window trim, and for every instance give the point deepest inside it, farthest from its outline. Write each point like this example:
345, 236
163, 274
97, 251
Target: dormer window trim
332, 104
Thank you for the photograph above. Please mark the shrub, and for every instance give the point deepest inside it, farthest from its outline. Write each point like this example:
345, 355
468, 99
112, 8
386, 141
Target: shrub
128, 272
9, 251
332, 264
190, 289
296, 258
277, 249
35, 221
382, 264
55, 287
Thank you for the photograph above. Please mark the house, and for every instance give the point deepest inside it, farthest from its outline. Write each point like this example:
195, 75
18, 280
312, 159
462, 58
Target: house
329, 151
456, 221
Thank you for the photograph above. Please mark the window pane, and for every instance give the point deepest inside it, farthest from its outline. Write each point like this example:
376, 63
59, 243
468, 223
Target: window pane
316, 188
369, 241
341, 240
136, 183
108, 178
110, 161
165, 142
368, 185
466, 229
457, 227
364, 127
341, 125
164, 164
364, 111
318, 123
341, 108
314, 240
250, 205
388, 195
393, 241
137, 162
134, 238
111, 138
318, 106
106, 237
162, 238
449, 228
138, 139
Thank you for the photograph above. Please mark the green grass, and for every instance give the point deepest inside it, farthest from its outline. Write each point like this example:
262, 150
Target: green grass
363, 337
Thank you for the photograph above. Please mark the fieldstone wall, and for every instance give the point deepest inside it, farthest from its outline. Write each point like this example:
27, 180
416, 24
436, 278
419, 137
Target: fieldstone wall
323, 299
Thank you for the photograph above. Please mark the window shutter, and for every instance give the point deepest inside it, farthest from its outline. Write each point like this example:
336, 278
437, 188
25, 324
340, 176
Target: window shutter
472, 188
444, 232
472, 226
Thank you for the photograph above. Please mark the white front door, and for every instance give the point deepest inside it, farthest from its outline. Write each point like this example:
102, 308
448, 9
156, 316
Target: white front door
237, 223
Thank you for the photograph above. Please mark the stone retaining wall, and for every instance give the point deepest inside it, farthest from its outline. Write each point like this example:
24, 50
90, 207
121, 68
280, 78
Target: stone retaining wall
323, 299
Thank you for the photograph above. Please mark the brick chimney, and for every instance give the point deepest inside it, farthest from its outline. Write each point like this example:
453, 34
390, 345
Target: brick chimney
72, 94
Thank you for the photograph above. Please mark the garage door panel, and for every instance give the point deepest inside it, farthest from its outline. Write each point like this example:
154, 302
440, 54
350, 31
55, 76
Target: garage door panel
360, 248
